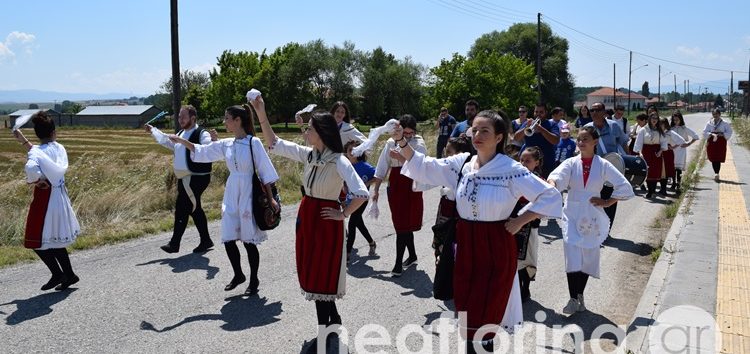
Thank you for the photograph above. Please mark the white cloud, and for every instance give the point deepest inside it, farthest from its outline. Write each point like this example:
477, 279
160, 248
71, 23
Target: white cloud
693, 52
16, 39
204, 68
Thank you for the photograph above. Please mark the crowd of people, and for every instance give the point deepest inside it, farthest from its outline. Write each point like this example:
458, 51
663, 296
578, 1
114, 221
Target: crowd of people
498, 178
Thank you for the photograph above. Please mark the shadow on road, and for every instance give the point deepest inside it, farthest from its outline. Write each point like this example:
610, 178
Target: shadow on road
416, 281
358, 266
190, 261
35, 307
551, 232
625, 245
239, 313
584, 323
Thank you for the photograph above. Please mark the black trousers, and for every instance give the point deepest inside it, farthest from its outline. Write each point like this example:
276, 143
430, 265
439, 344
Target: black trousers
184, 209
356, 222
576, 283
716, 166
611, 211
442, 142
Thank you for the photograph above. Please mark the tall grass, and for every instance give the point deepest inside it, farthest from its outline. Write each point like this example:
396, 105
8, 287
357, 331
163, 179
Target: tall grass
122, 186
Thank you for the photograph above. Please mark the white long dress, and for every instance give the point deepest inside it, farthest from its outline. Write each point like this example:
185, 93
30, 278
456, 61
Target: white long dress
237, 220
680, 153
489, 193
585, 226
50, 161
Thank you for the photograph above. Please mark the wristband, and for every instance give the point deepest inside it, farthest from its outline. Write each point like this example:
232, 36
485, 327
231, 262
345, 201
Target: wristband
405, 145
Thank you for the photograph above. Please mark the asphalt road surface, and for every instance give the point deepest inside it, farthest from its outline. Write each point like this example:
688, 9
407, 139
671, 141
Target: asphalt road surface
133, 297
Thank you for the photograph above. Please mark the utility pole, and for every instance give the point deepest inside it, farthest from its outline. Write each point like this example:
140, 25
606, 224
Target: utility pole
176, 99
658, 102
690, 101
614, 84
539, 54
630, 73
675, 86
731, 93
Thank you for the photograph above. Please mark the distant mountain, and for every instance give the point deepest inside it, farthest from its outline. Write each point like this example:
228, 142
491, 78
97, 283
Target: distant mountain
34, 96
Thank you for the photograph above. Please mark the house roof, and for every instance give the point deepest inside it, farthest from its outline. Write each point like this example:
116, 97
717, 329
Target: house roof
23, 112
608, 92
114, 110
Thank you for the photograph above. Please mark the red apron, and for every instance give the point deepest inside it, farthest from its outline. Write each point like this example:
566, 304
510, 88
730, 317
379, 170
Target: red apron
406, 205
35, 220
716, 151
484, 272
320, 249
654, 163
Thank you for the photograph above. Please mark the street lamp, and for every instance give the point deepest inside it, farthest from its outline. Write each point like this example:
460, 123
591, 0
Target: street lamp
630, 73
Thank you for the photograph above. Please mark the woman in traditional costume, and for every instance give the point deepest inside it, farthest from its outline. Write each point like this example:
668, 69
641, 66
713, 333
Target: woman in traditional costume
320, 244
245, 156
585, 224
51, 225
486, 253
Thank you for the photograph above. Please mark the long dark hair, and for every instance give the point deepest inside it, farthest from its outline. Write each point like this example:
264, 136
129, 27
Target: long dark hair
658, 123
537, 154
44, 125
246, 117
498, 119
408, 121
580, 111
336, 105
326, 127
677, 114
593, 132
664, 124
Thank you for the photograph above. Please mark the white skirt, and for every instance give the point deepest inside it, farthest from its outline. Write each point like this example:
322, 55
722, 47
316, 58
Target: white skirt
579, 259
513, 316
532, 253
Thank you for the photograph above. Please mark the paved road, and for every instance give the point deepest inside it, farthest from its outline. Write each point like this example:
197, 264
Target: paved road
135, 298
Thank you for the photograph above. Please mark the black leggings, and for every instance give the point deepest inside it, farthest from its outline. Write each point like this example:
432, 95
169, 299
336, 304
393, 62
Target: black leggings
57, 260
356, 222
253, 256
716, 166
404, 240
576, 283
327, 313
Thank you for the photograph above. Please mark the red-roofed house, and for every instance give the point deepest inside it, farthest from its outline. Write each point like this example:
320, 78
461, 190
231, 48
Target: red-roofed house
607, 96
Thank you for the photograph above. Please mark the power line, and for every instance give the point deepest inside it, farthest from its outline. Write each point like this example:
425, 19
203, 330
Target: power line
643, 54
469, 12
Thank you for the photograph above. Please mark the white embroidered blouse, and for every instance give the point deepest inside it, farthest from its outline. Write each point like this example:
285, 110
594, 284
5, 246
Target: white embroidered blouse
385, 162
648, 136
490, 192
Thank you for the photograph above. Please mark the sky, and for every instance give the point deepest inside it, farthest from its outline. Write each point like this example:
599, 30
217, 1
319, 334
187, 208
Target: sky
124, 46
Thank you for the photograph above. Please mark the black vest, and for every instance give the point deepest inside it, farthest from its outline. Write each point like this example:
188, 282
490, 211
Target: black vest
196, 167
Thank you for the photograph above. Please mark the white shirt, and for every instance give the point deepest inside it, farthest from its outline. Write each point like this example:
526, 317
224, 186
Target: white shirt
385, 162
647, 136
180, 157
490, 192
721, 127
622, 123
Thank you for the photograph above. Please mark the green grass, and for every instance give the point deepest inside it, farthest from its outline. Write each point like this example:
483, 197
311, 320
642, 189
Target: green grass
742, 128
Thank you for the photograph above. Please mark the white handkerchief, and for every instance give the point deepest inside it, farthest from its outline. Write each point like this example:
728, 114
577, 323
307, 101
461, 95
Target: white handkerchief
309, 108
20, 121
252, 94
372, 138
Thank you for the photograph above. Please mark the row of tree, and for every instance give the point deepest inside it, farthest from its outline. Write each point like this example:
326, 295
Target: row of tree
498, 71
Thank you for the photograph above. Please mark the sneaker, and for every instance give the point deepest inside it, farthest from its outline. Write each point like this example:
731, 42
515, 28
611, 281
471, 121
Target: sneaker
571, 307
581, 306
410, 262
397, 271
716, 177
372, 248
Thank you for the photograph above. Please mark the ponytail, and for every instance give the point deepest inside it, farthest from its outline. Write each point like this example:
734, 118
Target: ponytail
245, 113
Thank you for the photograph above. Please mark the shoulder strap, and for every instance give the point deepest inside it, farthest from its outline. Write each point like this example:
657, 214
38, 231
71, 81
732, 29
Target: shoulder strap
252, 156
461, 170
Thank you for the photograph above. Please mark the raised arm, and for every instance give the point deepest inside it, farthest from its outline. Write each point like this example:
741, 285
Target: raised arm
260, 109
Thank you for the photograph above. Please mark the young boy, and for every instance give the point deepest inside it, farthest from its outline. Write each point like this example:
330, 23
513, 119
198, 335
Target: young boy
566, 148
366, 172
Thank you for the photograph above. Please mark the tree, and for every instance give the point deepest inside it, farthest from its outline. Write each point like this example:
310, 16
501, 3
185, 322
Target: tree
496, 81
719, 102
235, 75
644, 89
70, 107
520, 40
193, 86
390, 87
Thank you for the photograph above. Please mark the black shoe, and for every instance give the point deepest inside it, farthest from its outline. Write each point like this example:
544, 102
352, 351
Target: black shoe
203, 247
53, 282
410, 262
67, 282
649, 195
335, 320
235, 281
396, 272
170, 249
663, 192
252, 289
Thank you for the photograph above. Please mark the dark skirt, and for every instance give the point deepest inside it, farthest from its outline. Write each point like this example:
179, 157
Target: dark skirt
320, 251
654, 163
668, 158
406, 205
716, 151
35, 220
484, 273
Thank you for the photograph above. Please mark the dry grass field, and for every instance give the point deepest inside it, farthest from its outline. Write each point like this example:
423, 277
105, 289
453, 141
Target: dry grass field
121, 185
